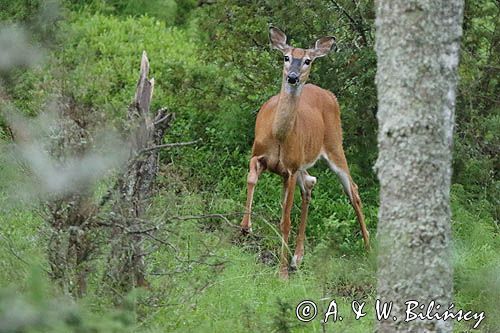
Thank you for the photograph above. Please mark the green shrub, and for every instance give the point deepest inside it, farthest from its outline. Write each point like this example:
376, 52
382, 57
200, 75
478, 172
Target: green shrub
171, 12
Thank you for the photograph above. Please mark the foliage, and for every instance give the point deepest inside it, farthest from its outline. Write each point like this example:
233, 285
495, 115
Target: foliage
171, 12
38, 311
40, 17
19, 10
476, 155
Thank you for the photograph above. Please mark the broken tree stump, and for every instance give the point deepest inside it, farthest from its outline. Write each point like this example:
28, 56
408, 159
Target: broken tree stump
135, 186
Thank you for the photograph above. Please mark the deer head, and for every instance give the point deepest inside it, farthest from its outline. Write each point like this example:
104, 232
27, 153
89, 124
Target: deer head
297, 61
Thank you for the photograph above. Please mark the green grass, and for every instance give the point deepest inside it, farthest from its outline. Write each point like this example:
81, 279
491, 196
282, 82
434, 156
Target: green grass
234, 291
215, 281
21, 246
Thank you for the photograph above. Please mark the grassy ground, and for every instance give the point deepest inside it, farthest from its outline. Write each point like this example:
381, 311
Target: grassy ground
210, 279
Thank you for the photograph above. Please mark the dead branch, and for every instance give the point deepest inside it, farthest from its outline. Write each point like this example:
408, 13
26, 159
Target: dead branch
170, 145
207, 216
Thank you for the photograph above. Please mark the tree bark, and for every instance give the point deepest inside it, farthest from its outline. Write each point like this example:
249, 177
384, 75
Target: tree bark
417, 45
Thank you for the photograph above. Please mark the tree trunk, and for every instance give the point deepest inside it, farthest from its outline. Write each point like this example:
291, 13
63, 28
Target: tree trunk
417, 44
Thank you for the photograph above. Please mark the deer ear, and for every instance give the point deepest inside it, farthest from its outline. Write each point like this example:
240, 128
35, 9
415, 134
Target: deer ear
323, 46
278, 39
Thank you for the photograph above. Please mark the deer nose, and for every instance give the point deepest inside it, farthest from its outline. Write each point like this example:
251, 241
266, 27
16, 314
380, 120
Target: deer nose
292, 78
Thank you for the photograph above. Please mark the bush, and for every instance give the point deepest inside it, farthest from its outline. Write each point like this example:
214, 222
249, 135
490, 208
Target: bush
170, 12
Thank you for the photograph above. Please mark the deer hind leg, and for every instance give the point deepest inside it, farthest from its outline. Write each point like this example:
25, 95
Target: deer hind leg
288, 191
306, 184
337, 162
257, 165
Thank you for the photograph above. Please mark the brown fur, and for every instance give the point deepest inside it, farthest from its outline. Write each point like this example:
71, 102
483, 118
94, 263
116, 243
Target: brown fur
317, 110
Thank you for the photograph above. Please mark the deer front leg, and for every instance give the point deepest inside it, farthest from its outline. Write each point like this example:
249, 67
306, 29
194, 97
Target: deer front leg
306, 184
288, 191
256, 168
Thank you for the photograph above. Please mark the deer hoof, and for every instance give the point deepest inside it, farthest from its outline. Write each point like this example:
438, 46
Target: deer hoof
246, 231
294, 265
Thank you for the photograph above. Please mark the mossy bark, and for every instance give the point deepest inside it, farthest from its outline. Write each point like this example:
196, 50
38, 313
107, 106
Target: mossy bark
417, 45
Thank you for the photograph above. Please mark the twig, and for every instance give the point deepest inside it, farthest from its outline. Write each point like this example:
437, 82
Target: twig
128, 230
207, 216
168, 116
146, 231
169, 145
188, 261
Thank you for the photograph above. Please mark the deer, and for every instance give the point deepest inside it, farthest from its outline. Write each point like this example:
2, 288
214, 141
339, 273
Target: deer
293, 130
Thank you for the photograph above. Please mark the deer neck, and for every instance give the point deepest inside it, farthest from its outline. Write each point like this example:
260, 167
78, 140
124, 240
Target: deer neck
286, 112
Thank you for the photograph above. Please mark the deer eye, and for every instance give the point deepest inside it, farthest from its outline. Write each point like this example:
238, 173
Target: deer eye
287, 58
307, 62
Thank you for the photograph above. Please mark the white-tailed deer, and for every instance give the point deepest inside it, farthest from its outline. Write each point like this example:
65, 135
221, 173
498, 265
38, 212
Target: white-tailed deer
293, 130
